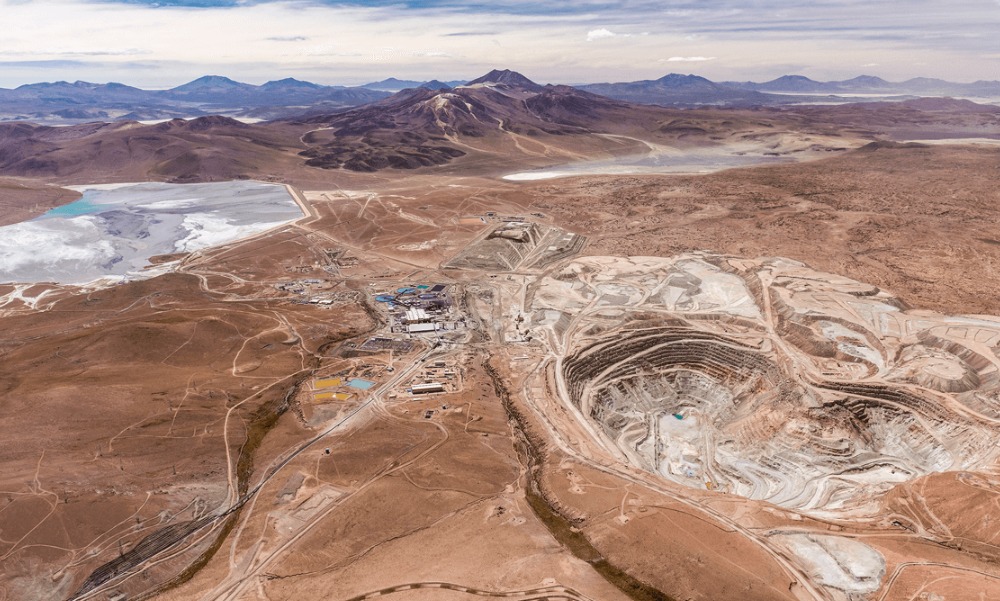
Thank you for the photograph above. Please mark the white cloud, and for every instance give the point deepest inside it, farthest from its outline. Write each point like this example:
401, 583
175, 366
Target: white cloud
589, 40
688, 59
56, 52
604, 33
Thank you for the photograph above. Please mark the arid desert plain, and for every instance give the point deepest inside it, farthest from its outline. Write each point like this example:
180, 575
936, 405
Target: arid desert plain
504, 341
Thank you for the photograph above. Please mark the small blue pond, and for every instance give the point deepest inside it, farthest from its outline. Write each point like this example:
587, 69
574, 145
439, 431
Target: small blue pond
83, 206
360, 384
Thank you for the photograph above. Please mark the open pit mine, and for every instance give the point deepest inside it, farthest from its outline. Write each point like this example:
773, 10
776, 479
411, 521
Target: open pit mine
767, 380
763, 380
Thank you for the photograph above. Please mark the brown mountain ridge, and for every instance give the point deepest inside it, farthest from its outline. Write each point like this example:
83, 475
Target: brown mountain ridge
495, 123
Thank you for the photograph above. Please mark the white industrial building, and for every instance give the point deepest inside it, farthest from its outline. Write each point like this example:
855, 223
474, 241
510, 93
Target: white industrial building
417, 315
427, 388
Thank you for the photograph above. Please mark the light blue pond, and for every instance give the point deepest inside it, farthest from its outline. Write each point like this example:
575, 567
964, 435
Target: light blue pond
360, 384
83, 206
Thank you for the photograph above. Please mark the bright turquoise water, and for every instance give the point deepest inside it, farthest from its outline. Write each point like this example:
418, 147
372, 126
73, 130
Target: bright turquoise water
83, 206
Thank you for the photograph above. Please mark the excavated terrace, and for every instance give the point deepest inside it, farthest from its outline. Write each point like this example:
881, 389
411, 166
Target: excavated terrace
766, 379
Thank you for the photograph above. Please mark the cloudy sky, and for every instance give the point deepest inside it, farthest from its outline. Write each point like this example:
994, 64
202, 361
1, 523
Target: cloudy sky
165, 43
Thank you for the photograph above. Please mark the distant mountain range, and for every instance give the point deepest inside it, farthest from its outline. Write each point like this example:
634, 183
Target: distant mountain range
212, 94
396, 85
64, 102
680, 90
501, 121
867, 84
691, 90
503, 115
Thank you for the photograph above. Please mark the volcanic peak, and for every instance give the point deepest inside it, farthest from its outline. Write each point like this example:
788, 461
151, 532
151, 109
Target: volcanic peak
435, 84
211, 83
289, 83
678, 80
508, 78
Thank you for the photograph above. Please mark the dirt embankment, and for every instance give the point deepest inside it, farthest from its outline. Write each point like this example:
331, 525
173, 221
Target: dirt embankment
21, 200
549, 511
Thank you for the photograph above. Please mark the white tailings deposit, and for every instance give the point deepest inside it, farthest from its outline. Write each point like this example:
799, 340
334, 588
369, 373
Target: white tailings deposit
114, 229
849, 567
657, 161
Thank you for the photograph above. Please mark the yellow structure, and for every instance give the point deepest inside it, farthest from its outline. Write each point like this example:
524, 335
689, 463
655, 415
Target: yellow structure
328, 383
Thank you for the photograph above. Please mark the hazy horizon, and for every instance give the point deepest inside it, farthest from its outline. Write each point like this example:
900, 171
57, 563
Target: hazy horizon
445, 78
164, 44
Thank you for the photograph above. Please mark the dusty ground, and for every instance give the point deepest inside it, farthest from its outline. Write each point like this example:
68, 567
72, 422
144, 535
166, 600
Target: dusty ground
158, 382
22, 199
920, 222
404, 491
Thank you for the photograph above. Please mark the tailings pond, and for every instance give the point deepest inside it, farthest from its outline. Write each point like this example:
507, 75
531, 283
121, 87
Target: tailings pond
657, 161
114, 229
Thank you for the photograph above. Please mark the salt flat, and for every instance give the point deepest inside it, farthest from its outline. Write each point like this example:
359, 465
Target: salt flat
705, 161
113, 230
